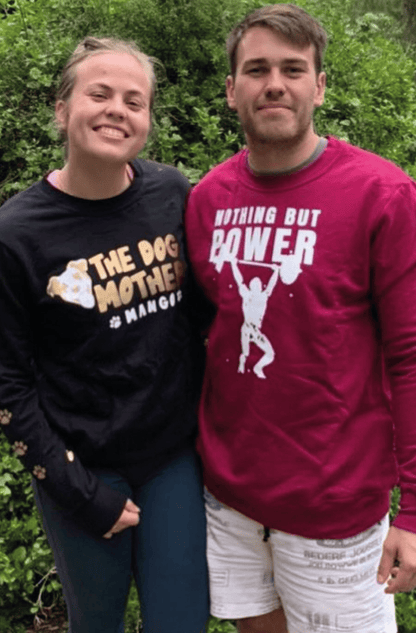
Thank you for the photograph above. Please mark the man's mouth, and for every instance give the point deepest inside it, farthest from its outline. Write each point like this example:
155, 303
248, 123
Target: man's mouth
273, 106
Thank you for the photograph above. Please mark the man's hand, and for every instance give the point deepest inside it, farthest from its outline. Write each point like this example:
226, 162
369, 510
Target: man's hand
398, 562
128, 518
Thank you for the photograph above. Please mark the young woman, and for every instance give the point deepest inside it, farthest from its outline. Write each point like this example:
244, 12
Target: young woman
97, 378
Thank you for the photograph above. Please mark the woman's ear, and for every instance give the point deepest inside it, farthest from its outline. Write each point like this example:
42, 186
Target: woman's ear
61, 115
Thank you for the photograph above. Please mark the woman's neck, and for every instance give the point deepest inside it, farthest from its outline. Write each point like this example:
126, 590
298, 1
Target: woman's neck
93, 182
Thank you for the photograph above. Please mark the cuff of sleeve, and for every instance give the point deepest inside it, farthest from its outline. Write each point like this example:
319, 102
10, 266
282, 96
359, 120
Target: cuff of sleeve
99, 515
406, 517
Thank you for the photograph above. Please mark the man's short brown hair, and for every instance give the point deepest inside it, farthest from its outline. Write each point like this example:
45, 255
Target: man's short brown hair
287, 20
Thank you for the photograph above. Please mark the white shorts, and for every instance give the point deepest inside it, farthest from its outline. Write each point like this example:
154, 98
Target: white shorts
324, 586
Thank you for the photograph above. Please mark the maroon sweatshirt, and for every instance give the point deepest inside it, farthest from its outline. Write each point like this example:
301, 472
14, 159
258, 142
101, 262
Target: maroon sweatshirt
311, 364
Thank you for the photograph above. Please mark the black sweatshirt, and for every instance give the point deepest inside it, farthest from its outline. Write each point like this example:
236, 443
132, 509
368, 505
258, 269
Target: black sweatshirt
96, 348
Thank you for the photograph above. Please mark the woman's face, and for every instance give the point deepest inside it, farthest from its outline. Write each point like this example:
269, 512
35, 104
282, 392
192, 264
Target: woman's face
107, 118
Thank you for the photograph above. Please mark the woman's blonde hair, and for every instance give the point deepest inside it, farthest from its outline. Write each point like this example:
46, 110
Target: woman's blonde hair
94, 46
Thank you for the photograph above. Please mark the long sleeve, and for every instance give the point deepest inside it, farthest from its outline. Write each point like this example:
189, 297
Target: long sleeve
22, 419
394, 283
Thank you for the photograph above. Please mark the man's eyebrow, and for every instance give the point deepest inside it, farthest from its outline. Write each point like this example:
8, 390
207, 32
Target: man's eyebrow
264, 60
296, 60
259, 60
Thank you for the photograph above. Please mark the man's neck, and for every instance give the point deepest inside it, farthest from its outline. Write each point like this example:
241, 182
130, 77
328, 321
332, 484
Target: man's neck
266, 158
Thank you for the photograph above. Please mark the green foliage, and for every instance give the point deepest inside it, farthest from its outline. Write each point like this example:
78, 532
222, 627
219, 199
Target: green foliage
193, 127
371, 95
216, 625
370, 98
406, 612
28, 582
132, 620
370, 101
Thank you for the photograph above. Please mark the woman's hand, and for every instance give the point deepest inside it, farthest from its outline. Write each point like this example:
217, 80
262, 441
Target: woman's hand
128, 518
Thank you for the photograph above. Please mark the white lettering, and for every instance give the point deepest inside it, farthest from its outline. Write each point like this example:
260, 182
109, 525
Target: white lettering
233, 240
163, 303
151, 306
280, 243
315, 215
131, 315
271, 215
305, 244
217, 241
236, 214
259, 215
219, 216
255, 243
243, 215
290, 216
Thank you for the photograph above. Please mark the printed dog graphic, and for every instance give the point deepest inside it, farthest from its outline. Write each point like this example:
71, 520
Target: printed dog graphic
74, 285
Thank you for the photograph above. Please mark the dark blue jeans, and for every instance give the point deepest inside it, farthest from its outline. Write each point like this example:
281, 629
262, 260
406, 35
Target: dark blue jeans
165, 553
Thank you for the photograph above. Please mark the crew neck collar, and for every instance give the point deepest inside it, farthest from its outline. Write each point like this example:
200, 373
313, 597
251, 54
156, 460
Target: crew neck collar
319, 149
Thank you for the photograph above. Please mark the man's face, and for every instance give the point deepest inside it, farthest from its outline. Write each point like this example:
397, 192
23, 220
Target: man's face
275, 89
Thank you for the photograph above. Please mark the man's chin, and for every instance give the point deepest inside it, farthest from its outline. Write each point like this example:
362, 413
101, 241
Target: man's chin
273, 138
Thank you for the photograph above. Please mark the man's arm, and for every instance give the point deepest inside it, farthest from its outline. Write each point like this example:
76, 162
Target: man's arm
394, 292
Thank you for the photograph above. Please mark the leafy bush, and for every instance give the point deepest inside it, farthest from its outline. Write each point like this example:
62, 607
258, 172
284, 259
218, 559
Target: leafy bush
370, 98
370, 101
28, 583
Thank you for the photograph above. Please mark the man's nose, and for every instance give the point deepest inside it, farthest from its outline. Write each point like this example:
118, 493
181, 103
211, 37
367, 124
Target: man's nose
275, 83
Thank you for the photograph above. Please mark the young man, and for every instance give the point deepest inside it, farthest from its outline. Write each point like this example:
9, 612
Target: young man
300, 452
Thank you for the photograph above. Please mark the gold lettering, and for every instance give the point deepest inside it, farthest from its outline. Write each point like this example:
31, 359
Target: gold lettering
155, 282
160, 249
172, 245
113, 264
126, 290
169, 277
96, 261
126, 259
138, 278
146, 252
107, 296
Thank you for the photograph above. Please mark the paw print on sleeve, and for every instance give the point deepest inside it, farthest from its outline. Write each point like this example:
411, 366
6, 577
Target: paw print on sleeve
5, 417
115, 322
19, 449
39, 472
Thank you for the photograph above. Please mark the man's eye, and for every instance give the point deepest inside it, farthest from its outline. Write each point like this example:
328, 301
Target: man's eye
257, 70
98, 95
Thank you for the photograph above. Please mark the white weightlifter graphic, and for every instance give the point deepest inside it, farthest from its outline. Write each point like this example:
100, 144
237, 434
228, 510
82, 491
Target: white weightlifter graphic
255, 298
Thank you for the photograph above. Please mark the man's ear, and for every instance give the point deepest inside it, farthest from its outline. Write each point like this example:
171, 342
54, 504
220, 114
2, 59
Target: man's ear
61, 115
229, 91
320, 89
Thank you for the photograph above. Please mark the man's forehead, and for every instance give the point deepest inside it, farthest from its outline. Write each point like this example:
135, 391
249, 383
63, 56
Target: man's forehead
262, 43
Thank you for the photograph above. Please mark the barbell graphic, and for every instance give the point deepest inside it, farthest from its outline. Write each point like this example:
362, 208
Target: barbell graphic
289, 268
